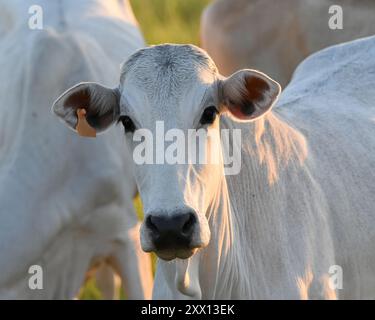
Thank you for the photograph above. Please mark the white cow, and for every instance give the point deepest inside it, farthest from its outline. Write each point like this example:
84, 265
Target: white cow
300, 211
275, 36
65, 203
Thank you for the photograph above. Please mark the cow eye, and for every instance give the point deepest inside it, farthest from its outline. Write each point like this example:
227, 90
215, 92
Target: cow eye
209, 115
127, 123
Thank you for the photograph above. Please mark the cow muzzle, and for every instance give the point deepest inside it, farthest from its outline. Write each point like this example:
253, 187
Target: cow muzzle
172, 235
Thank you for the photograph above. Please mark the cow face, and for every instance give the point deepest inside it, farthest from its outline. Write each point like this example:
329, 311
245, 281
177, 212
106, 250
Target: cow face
169, 101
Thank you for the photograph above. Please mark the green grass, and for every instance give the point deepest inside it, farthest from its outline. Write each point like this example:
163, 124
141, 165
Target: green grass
161, 21
173, 21
89, 291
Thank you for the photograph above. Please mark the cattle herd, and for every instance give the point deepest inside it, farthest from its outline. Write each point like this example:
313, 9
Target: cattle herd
296, 221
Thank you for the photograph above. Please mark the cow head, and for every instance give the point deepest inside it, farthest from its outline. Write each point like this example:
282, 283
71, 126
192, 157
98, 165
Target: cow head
176, 87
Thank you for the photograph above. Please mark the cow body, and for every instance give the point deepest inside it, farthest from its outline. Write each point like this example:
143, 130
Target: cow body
303, 202
275, 36
301, 208
63, 205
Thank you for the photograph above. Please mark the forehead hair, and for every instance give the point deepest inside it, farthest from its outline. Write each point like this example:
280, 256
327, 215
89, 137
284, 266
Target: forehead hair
165, 70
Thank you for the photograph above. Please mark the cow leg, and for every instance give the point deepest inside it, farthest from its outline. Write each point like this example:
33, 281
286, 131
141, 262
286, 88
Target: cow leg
108, 282
134, 266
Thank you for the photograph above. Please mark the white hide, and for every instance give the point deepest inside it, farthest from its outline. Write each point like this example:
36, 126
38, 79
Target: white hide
275, 36
65, 202
304, 200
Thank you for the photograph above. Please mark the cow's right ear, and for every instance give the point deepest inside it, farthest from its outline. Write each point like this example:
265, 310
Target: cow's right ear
100, 105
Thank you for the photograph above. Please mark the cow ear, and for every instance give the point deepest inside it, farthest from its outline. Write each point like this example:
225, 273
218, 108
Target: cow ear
88, 108
249, 94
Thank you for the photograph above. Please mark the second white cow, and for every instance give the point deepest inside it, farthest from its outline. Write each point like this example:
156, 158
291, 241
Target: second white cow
275, 36
65, 203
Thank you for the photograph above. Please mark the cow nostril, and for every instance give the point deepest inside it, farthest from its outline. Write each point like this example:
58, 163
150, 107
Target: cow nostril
187, 227
150, 224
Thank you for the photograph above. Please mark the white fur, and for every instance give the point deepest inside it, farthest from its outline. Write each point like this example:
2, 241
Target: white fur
303, 200
65, 202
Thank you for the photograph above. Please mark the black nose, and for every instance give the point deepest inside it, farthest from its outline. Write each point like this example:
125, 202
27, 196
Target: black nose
171, 232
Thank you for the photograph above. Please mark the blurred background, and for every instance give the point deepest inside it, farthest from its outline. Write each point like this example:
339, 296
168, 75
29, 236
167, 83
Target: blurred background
161, 21
173, 21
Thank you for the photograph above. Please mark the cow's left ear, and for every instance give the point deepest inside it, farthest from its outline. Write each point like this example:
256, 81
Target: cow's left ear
100, 105
248, 94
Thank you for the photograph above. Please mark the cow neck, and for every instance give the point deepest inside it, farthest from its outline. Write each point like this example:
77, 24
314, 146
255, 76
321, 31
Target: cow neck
243, 207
